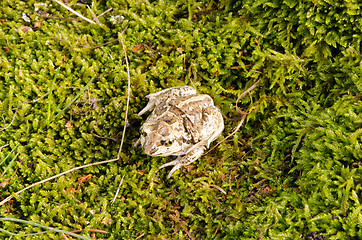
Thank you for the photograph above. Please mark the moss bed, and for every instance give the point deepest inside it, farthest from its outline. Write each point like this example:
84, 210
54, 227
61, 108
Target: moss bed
292, 171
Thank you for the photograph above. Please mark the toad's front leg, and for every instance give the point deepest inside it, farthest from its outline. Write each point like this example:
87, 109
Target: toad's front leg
192, 155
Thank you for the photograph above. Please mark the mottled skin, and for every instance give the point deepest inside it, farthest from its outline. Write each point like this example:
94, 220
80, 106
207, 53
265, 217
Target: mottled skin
182, 123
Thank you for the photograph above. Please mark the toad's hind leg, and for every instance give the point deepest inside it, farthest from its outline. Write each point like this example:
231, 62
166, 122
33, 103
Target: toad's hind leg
195, 152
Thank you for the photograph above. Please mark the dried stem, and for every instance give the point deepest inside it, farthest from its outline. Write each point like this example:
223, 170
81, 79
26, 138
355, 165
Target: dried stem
104, 44
58, 175
71, 10
1, 148
128, 96
115, 196
125, 119
113, 139
218, 188
16, 111
142, 234
60, 18
100, 15
243, 94
244, 114
94, 16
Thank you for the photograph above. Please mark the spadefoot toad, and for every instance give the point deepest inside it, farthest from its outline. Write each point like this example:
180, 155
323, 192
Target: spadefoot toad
182, 123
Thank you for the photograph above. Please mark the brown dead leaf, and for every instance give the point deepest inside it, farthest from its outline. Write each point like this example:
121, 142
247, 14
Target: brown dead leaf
137, 48
85, 178
4, 183
106, 221
180, 50
68, 125
142, 172
25, 28
37, 24
267, 189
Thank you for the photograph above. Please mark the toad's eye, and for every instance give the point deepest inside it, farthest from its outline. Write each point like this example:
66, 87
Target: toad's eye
144, 134
166, 142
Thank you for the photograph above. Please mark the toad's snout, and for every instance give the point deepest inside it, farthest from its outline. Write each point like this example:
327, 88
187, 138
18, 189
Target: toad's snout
149, 146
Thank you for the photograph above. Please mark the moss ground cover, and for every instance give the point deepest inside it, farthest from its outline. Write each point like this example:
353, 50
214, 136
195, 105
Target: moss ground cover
293, 171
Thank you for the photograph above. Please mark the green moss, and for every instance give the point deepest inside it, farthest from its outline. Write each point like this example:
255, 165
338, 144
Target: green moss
293, 168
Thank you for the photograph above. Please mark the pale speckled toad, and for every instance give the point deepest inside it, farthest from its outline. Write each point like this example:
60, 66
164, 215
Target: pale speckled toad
182, 123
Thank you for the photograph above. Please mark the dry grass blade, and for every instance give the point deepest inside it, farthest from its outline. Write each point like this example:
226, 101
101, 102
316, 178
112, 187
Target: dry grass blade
218, 188
241, 112
16, 111
42, 226
94, 16
142, 234
128, 96
1, 148
244, 93
71, 10
125, 119
100, 15
56, 176
115, 196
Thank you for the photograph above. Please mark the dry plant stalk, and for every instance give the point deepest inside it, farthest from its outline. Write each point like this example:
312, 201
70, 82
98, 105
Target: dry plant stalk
119, 187
100, 15
239, 111
17, 108
71, 10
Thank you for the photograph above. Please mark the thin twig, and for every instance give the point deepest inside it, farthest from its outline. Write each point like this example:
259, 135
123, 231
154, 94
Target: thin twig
128, 96
60, 18
96, 230
115, 196
1, 148
42, 226
100, 15
142, 234
218, 188
125, 119
58, 175
241, 112
104, 44
243, 94
89, 230
217, 229
16, 111
71, 10
65, 236
71, 87
94, 16
90, 100
113, 139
